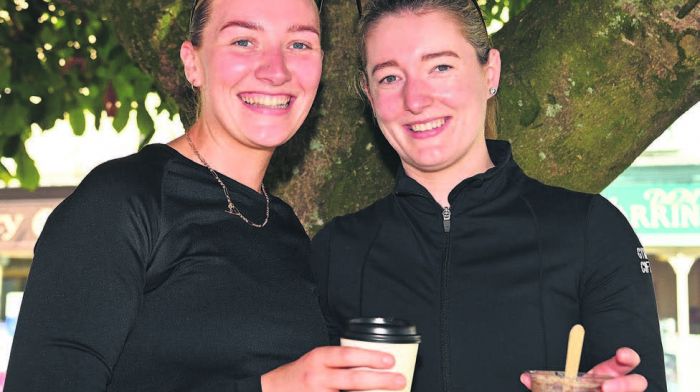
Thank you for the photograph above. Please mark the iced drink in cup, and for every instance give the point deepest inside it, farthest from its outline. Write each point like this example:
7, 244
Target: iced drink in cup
553, 381
396, 337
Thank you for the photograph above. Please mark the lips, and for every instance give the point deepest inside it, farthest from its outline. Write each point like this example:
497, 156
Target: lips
266, 101
428, 125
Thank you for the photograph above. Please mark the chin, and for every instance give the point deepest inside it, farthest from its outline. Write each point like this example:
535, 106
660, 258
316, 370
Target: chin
429, 161
271, 140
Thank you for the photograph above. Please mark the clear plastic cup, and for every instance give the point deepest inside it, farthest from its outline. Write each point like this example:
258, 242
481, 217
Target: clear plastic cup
554, 381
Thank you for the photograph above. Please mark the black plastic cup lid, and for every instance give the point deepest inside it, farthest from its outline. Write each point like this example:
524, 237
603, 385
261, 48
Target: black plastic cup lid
381, 330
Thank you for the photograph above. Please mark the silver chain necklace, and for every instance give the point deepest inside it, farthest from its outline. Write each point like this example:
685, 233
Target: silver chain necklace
232, 209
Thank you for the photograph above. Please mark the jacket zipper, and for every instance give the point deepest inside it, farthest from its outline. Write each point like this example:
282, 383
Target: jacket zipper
446, 215
444, 301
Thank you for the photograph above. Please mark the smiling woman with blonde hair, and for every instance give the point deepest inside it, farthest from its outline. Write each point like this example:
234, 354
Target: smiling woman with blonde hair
491, 265
174, 269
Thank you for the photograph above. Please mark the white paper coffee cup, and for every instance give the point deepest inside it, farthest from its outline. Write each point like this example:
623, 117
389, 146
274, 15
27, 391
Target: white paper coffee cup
396, 337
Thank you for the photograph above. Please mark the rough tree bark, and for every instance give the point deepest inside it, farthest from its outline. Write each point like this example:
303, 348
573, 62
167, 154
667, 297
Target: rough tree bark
586, 86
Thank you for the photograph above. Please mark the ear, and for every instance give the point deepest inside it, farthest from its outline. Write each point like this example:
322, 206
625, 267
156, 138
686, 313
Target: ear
493, 69
190, 61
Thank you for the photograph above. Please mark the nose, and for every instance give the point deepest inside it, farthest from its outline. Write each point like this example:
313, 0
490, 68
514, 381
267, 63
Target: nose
416, 96
273, 68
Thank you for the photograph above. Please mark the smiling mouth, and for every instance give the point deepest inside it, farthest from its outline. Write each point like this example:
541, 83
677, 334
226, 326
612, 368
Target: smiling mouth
267, 101
427, 126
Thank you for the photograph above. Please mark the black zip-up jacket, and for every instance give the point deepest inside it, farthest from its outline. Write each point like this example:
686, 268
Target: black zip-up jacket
495, 281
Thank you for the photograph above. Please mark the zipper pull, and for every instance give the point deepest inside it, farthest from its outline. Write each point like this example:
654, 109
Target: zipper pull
446, 214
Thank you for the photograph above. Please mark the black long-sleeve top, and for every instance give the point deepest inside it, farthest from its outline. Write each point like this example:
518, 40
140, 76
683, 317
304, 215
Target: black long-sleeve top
142, 282
495, 282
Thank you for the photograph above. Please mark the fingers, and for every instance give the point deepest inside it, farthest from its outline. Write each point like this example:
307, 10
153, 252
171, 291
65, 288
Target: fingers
359, 380
526, 380
347, 357
624, 361
629, 383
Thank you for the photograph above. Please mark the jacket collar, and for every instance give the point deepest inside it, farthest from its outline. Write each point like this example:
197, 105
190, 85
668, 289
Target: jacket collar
478, 188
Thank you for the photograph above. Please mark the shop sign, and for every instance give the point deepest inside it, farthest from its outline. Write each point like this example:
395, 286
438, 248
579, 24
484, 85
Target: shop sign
658, 209
21, 223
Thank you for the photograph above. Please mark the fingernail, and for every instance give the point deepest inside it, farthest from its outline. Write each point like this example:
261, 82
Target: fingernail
387, 359
399, 381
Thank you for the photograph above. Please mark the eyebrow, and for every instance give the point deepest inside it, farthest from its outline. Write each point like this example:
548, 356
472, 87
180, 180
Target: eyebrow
425, 57
386, 64
298, 28
431, 56
258, 27
241, 23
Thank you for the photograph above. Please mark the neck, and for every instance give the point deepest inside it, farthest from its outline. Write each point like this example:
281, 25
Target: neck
224, 154
441, 182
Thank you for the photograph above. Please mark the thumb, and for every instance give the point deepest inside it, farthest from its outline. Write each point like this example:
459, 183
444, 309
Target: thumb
526, 380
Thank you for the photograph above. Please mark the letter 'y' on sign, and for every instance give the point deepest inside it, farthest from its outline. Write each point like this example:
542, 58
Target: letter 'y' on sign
9, 225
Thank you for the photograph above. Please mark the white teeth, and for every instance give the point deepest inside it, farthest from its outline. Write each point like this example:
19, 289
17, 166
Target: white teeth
428, 125
276, 102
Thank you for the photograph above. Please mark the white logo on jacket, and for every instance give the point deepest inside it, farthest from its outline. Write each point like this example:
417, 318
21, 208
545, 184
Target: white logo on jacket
644, 264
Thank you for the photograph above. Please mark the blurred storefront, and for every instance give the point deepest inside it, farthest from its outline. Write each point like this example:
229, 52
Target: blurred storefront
22, 216
23, 213
660, 196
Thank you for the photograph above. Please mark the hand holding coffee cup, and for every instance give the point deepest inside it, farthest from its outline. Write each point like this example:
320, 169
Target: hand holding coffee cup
394, 336
333, 368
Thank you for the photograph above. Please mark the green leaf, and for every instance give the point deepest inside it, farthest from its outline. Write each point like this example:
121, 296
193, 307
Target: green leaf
146, 125
11, 146
47, 36
98, 119
54, 111
77, 121
27, 172
5, 175
97, 104
4, 76
15, 119
121, 118
5, 67
123, 88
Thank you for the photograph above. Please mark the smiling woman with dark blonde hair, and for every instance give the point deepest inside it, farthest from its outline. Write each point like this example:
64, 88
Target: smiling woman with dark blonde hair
491, 265
174, 269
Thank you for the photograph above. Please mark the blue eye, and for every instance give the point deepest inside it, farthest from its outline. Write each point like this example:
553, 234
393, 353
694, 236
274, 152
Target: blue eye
300, 45
443, 68
243, 43
388, 79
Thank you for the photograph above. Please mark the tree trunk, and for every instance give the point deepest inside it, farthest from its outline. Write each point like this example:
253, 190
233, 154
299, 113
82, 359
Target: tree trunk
586, 86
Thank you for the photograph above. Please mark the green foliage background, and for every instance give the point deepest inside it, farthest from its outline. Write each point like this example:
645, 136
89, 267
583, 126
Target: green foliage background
58, 62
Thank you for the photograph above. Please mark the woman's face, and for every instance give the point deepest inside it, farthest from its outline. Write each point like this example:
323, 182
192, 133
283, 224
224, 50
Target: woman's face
258, 68
427, 89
